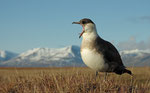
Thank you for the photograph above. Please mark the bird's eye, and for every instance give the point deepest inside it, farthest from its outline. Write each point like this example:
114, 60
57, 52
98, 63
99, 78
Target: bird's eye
83, 22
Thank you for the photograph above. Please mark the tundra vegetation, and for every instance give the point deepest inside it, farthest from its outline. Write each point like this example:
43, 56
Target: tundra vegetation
72, 80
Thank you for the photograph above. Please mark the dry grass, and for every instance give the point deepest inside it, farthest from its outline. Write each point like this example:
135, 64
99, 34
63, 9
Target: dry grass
71, 80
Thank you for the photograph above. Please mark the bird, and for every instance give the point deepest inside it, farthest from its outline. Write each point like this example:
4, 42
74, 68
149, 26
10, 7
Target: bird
97, 53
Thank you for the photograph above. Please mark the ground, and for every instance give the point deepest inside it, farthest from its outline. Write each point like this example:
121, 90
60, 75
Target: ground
72, 80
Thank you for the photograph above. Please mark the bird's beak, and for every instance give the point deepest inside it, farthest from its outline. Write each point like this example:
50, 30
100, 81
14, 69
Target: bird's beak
82, 30
75, 22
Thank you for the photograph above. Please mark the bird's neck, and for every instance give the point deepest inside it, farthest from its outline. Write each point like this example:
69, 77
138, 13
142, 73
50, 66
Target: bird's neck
90, 32
89, 37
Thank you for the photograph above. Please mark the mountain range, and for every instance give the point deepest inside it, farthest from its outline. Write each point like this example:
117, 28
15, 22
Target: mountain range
64, 57
46, 57
6, 55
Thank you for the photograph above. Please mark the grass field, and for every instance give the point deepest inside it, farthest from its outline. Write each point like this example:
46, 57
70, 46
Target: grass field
72, 80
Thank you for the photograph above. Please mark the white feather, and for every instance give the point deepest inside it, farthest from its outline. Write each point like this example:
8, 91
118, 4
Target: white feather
94, 60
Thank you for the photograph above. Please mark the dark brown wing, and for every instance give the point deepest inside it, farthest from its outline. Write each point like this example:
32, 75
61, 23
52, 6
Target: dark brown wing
110, 52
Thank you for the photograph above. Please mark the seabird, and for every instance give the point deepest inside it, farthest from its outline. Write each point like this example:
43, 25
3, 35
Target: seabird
98, 53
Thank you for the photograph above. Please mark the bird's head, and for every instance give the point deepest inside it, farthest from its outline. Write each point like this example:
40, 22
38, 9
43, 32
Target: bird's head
87, 24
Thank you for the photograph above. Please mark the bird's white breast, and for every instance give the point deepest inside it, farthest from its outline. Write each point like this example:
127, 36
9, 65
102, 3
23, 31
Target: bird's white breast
94, 60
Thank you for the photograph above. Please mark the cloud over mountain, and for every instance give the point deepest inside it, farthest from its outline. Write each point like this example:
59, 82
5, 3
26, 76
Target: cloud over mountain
132, 43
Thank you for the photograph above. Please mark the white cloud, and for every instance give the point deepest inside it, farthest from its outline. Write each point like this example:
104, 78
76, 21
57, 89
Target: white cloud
141, 19
132, 43
145, 18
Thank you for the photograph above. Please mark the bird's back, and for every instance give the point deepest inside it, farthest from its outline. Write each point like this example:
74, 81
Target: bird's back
111, 54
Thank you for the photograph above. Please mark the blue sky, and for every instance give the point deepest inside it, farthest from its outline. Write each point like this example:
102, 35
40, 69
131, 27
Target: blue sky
27, 24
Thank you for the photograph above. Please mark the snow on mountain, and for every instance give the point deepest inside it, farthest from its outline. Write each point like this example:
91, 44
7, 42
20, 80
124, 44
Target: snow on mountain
6, 55
45, 57
37, 54
135, 51
136, 57
67, 56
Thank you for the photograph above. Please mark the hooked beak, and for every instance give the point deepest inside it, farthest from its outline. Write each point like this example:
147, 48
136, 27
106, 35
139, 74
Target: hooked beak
82, 30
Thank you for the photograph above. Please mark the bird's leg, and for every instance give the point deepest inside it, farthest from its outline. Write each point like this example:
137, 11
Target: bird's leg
105, 76
96, 73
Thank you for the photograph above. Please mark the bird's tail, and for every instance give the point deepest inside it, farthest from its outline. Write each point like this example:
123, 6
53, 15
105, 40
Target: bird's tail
127, 71
121, 71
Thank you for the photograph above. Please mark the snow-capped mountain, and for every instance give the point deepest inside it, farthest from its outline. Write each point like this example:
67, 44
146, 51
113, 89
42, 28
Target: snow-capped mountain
45, 57
6, 55
67, 56
136, 57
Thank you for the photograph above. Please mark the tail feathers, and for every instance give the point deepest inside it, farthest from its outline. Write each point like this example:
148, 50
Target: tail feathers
127, 71
121, 71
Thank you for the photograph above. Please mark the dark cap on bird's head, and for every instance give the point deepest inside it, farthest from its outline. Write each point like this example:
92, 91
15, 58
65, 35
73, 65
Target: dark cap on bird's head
84, 21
